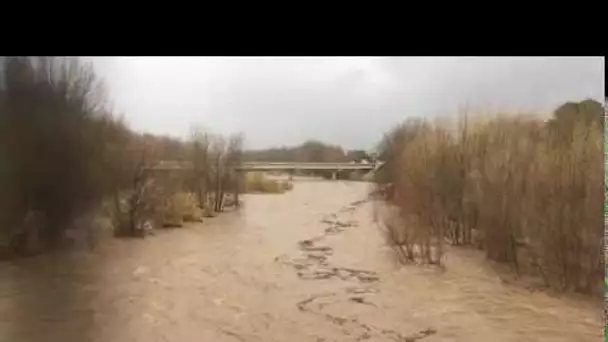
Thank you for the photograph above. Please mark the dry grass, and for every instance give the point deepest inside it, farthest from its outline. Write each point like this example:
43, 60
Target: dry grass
525, 190
181, 207
256, 182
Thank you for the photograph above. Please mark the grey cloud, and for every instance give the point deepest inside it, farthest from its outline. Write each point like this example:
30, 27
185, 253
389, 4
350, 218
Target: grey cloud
343, 101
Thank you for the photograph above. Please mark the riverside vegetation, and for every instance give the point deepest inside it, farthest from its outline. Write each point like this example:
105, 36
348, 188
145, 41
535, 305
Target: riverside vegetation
65, 157
522, 188
525, 189
301, 266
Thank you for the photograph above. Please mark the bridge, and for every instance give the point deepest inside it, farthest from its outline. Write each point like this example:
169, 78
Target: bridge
279, 166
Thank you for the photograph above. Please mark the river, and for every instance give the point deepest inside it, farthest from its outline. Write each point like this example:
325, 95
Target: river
308, 265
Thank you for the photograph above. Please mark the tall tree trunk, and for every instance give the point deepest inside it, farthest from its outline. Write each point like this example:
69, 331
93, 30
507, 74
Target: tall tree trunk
218, 184
237, 183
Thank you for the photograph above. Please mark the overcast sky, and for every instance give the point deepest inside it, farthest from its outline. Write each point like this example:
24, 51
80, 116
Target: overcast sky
346, 101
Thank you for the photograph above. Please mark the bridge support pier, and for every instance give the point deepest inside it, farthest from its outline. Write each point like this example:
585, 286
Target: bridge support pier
334, 175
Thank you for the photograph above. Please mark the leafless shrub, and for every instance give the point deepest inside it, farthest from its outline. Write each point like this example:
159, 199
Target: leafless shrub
523, 189
231, 178
214, 159
138, 195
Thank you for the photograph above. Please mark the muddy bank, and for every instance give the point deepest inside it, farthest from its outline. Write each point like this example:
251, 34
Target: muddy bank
308, 265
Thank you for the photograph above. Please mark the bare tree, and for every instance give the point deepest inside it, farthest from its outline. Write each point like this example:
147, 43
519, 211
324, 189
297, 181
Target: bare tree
234, 156
138, 195
218, 156
200, 177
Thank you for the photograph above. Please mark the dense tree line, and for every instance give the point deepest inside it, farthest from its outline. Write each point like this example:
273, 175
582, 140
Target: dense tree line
310, 151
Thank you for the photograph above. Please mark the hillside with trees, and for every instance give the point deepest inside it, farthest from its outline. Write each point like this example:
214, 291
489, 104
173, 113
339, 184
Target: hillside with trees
310, 151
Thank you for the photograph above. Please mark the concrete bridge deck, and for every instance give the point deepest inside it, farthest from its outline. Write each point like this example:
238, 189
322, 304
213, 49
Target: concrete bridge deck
278, 166
271, 166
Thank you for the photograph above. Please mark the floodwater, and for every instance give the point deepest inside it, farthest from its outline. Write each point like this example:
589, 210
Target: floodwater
308, 265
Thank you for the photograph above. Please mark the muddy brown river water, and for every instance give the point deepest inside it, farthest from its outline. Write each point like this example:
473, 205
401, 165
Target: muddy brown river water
309, 265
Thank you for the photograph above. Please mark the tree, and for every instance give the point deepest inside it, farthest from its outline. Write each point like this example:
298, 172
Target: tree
309, 151
234, 157
200, 179
214, 158
51, 143
219, 155
138, 194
